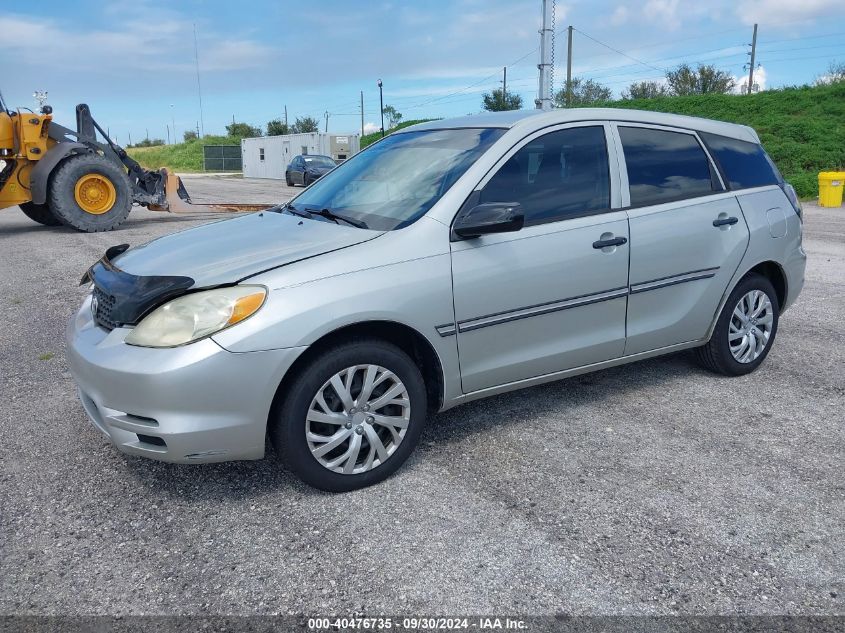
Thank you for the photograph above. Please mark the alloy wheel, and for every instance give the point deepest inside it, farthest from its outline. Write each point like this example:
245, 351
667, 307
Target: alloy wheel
750, 326
357, 419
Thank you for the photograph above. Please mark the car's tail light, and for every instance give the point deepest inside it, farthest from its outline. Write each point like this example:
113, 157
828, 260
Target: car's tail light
790, 192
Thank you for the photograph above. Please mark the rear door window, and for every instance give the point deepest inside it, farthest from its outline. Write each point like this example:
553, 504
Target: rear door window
664, 165
743, 164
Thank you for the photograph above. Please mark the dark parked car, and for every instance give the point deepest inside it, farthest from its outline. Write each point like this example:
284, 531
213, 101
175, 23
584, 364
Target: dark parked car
305, 169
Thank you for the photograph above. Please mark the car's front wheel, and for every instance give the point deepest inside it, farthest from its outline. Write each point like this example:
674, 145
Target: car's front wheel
745, 330
351, 416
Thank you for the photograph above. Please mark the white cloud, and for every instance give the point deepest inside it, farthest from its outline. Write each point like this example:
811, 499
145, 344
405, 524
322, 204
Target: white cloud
664, 13
785, 12
369, 128
134, 45
760, 80
619, 15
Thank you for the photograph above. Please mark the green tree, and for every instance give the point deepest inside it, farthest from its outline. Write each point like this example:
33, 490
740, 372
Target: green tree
645, 90
242, 130
706, 79
584, 92
277, 127
498, 101
835, 73
148, 142
305, 124
190, 135
393, 116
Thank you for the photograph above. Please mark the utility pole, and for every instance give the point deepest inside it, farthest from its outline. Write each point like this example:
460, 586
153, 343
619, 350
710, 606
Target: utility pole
168, 133
148, 133
286, 115
751, 65
199, 88
544, 88
381, 106
130, 138
173, 121
505, 85
569, 67
362, 113
327, 120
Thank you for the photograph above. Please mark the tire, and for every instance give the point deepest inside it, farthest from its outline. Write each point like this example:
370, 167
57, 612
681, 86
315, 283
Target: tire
292, 418
40, 213
717, 355
63, 193
288, 180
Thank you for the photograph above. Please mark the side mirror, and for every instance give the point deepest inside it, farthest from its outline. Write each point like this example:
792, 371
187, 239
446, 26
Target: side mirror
487, 218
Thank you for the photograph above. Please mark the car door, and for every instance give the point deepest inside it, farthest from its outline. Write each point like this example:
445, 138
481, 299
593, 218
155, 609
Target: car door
299, 171
688, 235
552, 295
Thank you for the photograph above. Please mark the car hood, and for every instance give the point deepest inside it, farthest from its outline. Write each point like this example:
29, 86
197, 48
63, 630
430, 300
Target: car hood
231, 250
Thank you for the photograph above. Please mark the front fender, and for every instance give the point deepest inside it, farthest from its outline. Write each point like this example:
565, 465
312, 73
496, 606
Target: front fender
40, 174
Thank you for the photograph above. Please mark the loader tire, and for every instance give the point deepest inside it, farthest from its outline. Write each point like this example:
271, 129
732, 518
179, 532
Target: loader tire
88, 192
40, 213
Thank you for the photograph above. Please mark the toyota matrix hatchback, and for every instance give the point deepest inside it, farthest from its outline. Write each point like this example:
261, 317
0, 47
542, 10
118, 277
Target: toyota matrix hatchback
450, 261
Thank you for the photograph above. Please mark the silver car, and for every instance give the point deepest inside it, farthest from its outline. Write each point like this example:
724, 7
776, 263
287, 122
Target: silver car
450, 261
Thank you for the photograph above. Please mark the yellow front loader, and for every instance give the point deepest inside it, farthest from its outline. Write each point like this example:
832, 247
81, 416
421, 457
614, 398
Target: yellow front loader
61, 176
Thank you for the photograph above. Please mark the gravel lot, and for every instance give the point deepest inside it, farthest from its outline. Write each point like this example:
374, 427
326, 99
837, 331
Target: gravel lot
655, 488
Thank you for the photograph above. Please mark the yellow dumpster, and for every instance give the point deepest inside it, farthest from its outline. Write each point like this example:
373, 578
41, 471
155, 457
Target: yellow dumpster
830, 188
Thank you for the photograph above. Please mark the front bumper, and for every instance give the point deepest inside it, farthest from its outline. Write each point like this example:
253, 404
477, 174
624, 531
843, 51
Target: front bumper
195, 403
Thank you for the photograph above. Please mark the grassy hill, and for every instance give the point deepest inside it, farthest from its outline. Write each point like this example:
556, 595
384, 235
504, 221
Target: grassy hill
369, 139
180, 157
802, 129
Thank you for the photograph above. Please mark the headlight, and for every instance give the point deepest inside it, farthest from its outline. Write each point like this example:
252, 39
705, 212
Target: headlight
197, 315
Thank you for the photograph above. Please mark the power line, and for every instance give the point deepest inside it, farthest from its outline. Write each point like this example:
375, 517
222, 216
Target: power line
472, 85
807, 37
804, 48
682, 56
616, 50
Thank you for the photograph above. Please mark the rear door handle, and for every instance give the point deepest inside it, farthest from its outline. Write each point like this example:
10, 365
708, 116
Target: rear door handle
614, 241
724, 221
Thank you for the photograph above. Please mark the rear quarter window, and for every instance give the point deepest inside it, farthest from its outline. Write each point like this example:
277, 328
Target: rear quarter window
744, 165
664, 165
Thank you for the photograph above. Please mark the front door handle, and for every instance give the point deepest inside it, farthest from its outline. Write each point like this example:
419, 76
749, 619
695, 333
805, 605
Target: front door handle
614, 241
725, 221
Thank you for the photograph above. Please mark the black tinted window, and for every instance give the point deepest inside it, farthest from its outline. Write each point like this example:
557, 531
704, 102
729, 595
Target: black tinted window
664, 165
559, 175
744, 164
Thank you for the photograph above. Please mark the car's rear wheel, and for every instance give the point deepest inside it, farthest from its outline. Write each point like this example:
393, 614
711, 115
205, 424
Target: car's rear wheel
351, 416
745, 330
288, 181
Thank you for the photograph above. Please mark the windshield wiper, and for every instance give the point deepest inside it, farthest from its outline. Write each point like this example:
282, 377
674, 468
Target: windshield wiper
331, 215
294, 211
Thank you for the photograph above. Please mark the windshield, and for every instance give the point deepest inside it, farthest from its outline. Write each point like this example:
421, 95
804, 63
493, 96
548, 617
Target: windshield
397, 180
318, 161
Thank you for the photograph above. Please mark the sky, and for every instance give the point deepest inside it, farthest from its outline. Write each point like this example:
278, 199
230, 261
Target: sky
133, 61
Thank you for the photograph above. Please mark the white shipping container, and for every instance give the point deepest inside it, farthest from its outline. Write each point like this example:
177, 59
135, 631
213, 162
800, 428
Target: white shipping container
268, 156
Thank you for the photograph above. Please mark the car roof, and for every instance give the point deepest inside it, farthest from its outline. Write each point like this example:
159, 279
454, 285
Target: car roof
536, 119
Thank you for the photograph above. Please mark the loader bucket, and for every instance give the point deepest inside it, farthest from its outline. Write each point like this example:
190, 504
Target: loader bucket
177, 199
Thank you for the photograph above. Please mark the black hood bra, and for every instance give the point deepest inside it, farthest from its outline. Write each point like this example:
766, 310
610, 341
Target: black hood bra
124, 299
